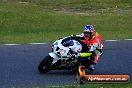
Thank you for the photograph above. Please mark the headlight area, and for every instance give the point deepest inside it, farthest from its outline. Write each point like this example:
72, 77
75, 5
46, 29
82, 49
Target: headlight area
60, 52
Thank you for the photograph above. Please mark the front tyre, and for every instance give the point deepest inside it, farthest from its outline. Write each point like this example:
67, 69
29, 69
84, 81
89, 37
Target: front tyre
45, 64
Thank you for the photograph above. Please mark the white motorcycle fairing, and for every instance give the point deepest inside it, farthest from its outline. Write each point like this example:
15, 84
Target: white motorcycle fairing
61, 52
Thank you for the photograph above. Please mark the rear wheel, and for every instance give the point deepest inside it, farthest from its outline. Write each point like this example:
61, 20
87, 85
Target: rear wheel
45, 64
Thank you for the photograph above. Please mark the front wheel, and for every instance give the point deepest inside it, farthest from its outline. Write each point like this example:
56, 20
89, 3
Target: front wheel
45, 64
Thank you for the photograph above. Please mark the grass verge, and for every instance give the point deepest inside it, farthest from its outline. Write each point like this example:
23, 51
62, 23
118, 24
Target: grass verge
98, 86
30, 21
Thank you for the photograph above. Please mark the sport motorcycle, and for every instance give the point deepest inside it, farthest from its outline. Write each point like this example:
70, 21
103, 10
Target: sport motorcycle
65, 56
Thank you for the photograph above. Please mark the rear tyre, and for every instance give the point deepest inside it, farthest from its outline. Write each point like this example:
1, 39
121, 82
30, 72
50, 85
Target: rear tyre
45, 64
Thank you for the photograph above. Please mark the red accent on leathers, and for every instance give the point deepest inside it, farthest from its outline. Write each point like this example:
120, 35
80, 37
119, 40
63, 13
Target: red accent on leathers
89, 42
96, 57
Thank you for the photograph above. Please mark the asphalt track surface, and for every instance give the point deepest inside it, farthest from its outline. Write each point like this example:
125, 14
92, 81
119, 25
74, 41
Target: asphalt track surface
18, 64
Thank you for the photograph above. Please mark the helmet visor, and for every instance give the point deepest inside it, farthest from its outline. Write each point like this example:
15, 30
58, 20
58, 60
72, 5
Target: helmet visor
87, 34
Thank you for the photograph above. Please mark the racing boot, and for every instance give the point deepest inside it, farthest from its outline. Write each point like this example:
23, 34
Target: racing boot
91, 67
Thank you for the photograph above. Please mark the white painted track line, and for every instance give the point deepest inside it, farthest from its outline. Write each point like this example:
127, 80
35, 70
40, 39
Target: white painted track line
48, 43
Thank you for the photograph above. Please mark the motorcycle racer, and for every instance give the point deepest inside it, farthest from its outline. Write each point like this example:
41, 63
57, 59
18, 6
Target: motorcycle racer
91, 42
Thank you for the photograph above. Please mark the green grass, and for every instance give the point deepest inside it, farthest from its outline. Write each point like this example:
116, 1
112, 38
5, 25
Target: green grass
27, 21
129, 85
94, 85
